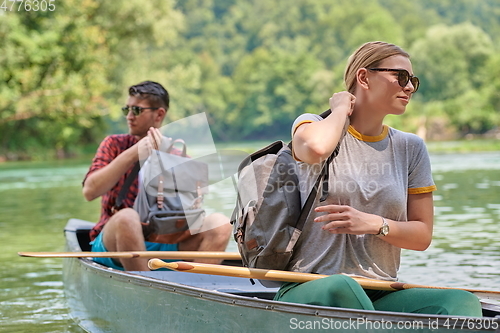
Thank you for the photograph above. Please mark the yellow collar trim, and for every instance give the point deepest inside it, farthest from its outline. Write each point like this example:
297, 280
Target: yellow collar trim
367, 138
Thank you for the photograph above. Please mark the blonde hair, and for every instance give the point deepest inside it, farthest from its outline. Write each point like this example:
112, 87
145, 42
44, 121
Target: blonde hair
368, 55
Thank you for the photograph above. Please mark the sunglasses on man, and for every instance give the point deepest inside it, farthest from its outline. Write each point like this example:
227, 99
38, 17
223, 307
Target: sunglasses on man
403, 77
136, 110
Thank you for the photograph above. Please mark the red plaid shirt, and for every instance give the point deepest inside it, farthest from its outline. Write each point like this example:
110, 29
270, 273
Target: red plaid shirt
108, 150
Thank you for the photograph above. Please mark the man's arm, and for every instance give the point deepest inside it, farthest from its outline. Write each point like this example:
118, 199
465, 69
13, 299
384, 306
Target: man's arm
102, 180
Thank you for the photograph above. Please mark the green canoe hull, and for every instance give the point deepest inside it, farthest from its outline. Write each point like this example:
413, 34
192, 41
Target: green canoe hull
106, 300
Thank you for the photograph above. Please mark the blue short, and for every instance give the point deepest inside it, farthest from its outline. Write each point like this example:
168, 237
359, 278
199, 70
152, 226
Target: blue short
98, 246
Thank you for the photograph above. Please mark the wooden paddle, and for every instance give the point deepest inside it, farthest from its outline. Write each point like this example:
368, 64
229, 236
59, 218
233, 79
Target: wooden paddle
276, 275
177, 255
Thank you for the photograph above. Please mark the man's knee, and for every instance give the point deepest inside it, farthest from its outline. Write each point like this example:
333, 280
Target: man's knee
214, 237
216, 227
222, 232
217, 222
125, 219
122, 226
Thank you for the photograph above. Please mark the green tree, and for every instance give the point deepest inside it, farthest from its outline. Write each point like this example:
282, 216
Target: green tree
273, 87
484, 14
450, 60
252, 66
60, 67
490, 74
52, 79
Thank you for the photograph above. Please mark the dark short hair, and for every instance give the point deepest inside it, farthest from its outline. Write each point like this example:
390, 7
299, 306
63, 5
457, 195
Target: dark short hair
151, 91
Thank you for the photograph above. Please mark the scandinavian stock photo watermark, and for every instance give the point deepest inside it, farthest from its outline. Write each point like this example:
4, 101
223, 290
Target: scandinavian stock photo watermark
368, 177
224, 165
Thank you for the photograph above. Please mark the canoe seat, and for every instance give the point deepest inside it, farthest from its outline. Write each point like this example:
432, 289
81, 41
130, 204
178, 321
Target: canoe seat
83, 239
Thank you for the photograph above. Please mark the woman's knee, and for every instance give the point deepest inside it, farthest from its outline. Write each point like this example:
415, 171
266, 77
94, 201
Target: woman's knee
344, 288
453, 302
461, 303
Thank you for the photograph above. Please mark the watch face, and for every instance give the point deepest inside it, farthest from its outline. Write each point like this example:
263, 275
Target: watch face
384, 230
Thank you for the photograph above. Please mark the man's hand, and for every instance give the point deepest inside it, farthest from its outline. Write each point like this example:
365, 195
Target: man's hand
153, 141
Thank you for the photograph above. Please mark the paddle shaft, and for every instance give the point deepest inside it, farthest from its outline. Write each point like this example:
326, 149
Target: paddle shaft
177, 255
286, 276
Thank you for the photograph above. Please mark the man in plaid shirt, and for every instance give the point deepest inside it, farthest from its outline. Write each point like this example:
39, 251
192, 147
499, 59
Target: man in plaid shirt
121, 230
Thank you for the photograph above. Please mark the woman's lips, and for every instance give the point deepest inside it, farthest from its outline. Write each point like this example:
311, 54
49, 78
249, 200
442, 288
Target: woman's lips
405, 99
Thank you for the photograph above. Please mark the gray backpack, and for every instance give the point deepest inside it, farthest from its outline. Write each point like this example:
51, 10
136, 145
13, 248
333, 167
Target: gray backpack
268, 218
171, 190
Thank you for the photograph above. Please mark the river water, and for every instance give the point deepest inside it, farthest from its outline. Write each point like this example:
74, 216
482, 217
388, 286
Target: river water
37, 199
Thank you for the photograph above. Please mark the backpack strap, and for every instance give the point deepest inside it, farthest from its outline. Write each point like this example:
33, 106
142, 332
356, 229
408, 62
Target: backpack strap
326, 113
184, 148
325, 173
126, 186
326, 170
310, 199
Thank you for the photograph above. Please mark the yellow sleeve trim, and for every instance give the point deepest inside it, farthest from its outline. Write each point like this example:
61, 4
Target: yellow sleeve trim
293, 132
300, 124
420, 190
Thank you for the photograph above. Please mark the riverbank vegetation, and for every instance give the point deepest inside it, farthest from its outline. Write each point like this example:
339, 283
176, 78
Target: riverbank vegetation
252, 66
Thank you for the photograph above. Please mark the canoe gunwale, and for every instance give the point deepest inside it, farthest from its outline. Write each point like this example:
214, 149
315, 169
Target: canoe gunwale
239, 299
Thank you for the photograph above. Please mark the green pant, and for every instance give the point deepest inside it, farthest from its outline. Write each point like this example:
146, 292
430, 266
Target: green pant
343, 291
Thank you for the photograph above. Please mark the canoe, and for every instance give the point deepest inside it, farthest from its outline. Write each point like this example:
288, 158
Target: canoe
103, 299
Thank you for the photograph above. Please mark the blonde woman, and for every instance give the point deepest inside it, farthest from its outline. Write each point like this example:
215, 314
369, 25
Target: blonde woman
380, 198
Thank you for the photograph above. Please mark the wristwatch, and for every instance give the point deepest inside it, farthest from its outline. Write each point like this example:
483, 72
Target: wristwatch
384, 229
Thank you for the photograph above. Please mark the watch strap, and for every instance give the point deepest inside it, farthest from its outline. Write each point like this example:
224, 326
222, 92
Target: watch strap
384, 229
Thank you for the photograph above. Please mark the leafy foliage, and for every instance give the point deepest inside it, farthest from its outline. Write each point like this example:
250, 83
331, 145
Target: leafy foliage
252, 66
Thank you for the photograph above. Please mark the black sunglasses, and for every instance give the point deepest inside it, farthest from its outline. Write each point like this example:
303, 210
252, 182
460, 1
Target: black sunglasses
136, 110
403, 77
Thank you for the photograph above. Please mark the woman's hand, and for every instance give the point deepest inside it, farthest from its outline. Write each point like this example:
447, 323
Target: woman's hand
341, 219
342, 102
314, 142
413, 234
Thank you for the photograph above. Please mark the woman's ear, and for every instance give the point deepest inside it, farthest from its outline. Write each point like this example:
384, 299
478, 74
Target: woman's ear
362, 78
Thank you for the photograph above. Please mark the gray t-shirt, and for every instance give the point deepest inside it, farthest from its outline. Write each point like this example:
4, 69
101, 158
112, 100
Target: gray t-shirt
373, 174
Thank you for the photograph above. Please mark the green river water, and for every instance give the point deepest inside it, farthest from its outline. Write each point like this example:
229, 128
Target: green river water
37, 199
